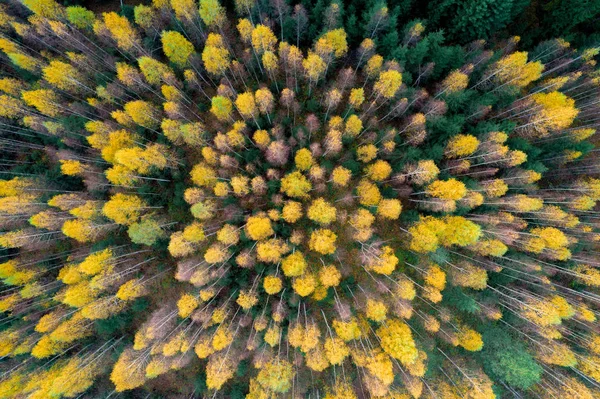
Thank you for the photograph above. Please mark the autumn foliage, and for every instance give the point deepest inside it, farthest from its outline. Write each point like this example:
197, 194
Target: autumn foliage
198, 205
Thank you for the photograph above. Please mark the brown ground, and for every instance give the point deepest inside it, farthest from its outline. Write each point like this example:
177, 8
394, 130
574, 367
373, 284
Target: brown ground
99, 6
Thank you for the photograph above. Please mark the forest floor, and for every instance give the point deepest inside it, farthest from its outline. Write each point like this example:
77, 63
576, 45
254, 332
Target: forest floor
108, 5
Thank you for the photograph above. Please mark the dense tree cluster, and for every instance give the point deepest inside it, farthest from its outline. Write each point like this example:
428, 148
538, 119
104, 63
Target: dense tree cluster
194, 204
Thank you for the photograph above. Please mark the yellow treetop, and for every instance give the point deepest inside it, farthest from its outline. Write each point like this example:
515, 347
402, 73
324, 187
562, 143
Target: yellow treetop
240, 185
341, 176
385, 262
388, 83
124, 209
258, 228
292, 211
353, 126
366, 153
455, 81
131, 289
368, 193
63, 76
305, 284
247, 299
323, 241
96, 262
374, 65
216, 59
357, 97
246, 105
330, 276
80, 230
154, 71
212, 13
294, 265
270, 61
216, 253
553, 237
125, 374
461, 145
295, 185
470, 339
45, 100
272, 285
389, 209
186, 304
221, 107
376, 310
435, 277
451, 189
335, 350
396, 341
554, 111
176, 47
264, 100
143, 113
219, 370
337, 39
71, 167
222, 339
203, 175
514, 70
314, 66
263, 39
276, 376
271, 250
228, 235
347, 330
322, 212
121, 30
378, 171
316, 360
303, 159
468, 275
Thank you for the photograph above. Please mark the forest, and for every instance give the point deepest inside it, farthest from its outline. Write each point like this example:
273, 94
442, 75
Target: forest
327, 199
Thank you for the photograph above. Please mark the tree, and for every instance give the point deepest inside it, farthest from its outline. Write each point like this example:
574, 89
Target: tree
63, 76
474, 20
81, 17
263, 39
146, 232
322, 212
246, 105
276, 376
127, 373
219, 370
314, 67
176, 47
388, 83
450, 189
154, 71
295, 185
323, 241
258, 228
337, 40
122, 31
221, 107
46, 101
515, 70
143, 113
396, 341
508, 360
212, 13
124, 209
46, 8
